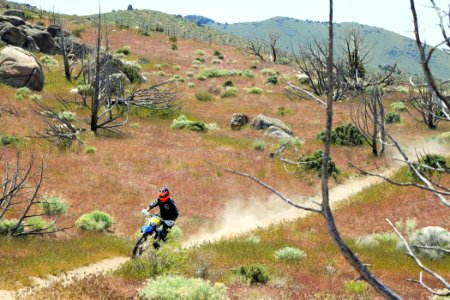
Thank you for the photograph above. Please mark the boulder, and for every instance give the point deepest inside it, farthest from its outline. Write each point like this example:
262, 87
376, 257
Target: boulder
56, 30
16, 21
12, 35
19, 68
238, 120
276, 132
30, 45
262, 122
15, 12
43, 40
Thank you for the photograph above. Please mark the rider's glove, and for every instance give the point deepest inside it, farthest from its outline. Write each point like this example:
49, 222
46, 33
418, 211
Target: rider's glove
144, 211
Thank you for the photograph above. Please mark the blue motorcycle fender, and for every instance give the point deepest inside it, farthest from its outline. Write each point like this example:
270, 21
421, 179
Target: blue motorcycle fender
147, 229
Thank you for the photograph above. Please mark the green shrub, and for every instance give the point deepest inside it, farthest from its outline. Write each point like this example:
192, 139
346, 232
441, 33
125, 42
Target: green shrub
178, 78
203, 96
162, 74
35, 97
374, 240
314, 162
22, 93
217, 53
90, 150
85, 90
191, 85
268, 72
392, 117
133, 71
125, 50
444, 137
291, 141
281, 111
176, 67
216, 61
174, 47
247, 74
356, 287
398, 106
229, 92
157, 66
431, 160
201, 59
7, 226
254, 274
283, 61
199, 52
9, 140
432, 236
228, 83
254, 90
177, 287
201, 77
189, 74
173, 39
38, 223
259, 145
272, 80
183, 123
48, 60
53, 205
67, 115
95, 221
78, 30
290, 254
344, 135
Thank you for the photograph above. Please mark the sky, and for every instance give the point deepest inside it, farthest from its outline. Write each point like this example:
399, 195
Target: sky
393, 15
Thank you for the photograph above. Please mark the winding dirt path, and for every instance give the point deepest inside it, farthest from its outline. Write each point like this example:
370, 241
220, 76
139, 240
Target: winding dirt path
101, 267
253, 215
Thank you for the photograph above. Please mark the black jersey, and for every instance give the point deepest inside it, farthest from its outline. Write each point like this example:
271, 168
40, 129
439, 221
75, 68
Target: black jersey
167, 209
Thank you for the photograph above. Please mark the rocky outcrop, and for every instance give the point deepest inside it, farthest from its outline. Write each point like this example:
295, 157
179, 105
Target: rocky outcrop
271, 126
238, 120
19, 68
14, 30
15, 12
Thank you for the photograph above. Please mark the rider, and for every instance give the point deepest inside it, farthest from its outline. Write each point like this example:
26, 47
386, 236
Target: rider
168, 211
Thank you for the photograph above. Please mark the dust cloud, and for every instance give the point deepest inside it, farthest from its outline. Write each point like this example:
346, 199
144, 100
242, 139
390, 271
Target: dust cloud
241, 215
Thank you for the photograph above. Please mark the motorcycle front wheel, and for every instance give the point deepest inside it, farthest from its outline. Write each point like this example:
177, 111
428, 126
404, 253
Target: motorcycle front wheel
139, 247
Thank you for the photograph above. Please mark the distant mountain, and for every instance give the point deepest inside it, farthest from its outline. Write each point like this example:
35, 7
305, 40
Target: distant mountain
388, 47
150, 20
200, 20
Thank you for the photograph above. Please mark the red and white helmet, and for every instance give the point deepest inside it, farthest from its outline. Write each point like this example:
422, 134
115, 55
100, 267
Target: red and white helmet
164, 194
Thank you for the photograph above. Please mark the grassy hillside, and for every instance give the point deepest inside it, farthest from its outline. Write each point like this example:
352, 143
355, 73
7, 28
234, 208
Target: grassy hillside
388, 47
124, 171
148, 21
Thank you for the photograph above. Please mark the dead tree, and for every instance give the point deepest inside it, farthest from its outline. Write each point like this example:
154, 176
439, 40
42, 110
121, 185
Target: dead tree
60, 129
256, 47
356, 54
425, 104
313, 63
20, 197
369, 118
271, 43
426, 55
323, 208
8, 109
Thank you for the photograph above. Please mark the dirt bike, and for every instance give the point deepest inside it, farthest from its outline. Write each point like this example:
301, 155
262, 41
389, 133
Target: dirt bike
151, 231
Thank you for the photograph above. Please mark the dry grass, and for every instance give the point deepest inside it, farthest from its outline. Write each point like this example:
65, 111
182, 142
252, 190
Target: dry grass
125, 172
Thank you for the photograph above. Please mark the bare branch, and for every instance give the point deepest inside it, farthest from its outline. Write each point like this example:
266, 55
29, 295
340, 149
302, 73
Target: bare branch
411, 254
270, 188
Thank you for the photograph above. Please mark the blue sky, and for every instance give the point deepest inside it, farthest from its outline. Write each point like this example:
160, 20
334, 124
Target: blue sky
393, 15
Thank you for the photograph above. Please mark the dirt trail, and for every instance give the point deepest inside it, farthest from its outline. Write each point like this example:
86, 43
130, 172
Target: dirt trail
66, 278
237, 218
